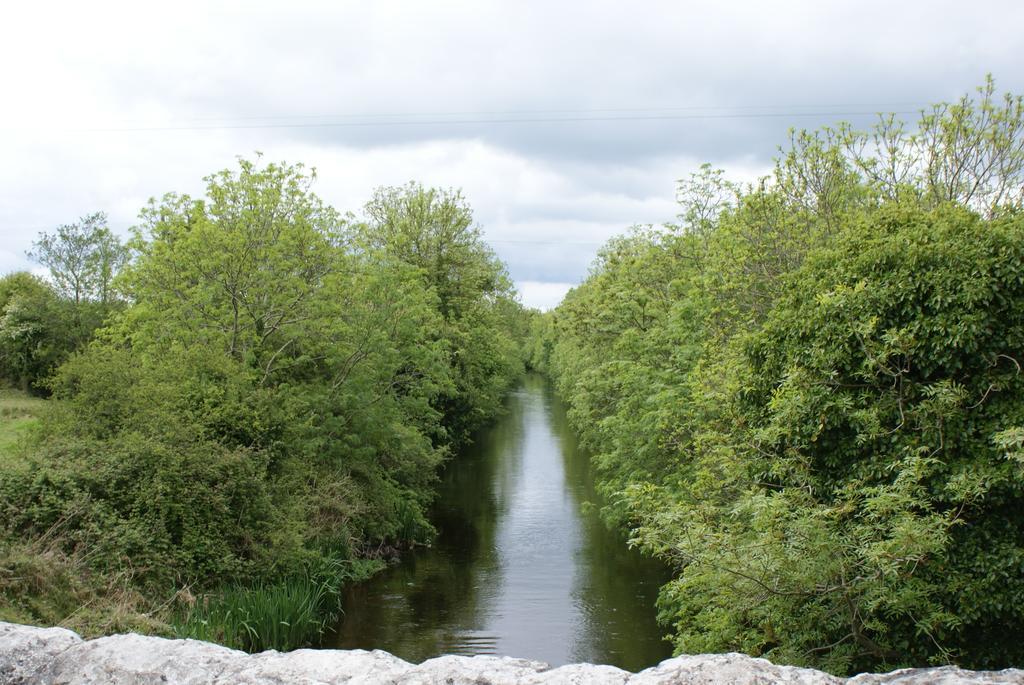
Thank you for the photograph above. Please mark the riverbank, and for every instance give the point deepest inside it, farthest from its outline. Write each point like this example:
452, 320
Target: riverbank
44, 656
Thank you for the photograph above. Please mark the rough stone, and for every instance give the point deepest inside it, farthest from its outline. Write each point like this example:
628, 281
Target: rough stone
945, 675
580, 674
54, 656
472, 670
140, 660
728, 669
25, 652
316, 666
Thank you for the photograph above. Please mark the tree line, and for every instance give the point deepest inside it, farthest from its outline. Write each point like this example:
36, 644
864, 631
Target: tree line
256, 388
806, 395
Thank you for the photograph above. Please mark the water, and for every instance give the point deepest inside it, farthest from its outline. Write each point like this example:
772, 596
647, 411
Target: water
521, 566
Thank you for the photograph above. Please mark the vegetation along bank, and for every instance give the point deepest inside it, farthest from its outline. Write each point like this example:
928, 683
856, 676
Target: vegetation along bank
248, 404
807, 397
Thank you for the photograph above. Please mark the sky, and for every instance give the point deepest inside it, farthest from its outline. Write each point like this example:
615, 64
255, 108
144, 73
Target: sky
564, 123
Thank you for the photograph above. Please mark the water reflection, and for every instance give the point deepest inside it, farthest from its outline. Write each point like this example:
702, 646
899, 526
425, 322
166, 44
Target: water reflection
517, 568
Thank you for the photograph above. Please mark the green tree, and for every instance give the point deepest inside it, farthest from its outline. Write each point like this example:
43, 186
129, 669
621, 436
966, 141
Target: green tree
300, 370
262, 275
433, 231
33, 330
238, 270
271, 401
82, 258
803, 394
849, 504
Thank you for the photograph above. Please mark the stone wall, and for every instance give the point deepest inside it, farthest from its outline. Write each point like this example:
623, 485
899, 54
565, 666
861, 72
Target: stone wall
52, 656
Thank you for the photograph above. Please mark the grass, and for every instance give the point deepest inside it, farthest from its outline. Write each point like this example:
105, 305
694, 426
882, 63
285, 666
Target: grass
19, 412
43, 584
46, 579
284, 616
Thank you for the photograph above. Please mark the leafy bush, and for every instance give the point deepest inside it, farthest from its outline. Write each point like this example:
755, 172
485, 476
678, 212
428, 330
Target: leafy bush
280, 391
806, 396
868, 505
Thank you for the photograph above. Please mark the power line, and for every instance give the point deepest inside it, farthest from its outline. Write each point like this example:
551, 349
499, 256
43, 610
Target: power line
470, 122
577, 111
481, 121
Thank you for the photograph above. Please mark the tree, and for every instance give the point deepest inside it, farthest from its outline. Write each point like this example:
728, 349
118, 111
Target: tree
855, 488
33, 330
970, 152
268, 403
806, 397
240, 269
83, 258
433, 230
264, 403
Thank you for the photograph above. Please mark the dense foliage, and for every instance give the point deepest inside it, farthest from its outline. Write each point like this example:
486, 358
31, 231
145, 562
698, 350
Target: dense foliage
433, 230
275, 399
43, 322
807, 396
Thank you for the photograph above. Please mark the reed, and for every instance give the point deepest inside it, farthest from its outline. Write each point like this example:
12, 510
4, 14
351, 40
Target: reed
284, 616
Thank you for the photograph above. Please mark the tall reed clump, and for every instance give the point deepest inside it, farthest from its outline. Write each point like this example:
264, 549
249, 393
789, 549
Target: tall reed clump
284, 616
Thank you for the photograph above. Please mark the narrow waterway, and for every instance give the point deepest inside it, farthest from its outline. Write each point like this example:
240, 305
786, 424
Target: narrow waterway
522, 564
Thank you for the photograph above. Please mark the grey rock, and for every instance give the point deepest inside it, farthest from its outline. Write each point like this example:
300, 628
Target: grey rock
54, 656
945, 675
473, 670
728, 669
316, 666
140, 660
580, 674
25, 652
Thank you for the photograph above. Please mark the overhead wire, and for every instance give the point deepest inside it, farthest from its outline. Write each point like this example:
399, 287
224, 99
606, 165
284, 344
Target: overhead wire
625, 114
470, 122
576, 111
501, 117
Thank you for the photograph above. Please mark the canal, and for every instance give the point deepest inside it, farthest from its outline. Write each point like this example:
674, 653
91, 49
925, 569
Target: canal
522, 564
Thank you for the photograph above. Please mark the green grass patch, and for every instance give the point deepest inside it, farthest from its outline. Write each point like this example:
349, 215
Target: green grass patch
19, 412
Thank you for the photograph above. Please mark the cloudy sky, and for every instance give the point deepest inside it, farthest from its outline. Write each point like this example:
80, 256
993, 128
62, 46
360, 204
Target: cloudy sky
563, 122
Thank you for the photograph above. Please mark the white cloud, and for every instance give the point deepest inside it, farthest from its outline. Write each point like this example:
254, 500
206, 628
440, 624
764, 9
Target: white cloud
543, 295
544, 192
